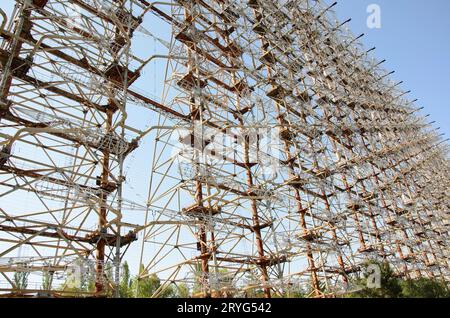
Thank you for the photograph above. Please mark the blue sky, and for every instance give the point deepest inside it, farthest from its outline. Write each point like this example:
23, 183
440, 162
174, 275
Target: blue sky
415, 40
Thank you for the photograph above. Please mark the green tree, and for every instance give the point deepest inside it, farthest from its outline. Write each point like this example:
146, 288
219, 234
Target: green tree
21, 280
47, 280
390, 284
294, 291
125, 287
394, 287
181, 291
424, 288
145, 285
79, 280
197, 288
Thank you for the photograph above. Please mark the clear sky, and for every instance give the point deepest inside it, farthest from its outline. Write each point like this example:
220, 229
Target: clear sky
414, 38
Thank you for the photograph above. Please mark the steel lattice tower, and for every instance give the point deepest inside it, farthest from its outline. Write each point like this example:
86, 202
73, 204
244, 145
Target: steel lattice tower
281, 152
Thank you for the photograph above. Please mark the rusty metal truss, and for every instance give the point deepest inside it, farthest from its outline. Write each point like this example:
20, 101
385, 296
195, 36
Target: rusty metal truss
281, 153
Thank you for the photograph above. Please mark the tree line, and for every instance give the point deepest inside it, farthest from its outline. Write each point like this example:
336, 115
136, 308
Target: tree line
147, 285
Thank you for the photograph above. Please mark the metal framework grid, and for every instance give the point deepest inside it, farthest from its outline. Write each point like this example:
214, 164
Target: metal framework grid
355, 173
